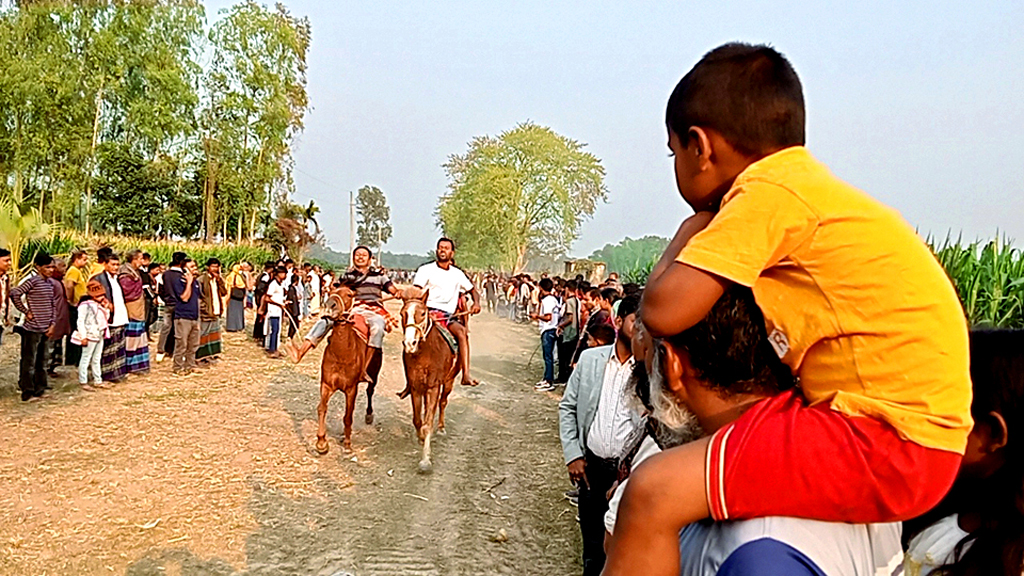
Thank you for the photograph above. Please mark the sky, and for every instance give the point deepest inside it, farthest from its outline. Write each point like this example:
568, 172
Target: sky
921, 104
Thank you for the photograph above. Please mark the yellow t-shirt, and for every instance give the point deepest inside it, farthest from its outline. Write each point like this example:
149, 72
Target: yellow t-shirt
94, 269
79, 283
854, 301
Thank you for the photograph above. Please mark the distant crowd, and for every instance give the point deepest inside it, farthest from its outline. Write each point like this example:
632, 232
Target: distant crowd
104, 314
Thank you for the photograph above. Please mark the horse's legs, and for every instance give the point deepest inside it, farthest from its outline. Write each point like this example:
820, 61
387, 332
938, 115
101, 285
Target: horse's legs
321, 411
446, 389
350, 407
374, 371
427, 427
417, 414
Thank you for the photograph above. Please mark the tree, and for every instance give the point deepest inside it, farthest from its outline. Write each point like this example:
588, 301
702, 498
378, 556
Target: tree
255, 104
631, 254
525, 192
374, 217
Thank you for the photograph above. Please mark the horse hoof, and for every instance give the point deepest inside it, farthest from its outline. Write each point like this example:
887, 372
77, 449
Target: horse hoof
441, 432
369, 417
346, 446
322, 447
425, 467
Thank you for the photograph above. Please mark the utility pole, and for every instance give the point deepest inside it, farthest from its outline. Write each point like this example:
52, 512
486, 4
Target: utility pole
351, 226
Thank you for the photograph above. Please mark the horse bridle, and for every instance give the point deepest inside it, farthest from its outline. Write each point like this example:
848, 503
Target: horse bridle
422, 329
346, 314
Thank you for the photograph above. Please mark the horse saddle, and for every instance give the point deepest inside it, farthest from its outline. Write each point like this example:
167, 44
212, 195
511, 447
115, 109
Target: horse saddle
441, 323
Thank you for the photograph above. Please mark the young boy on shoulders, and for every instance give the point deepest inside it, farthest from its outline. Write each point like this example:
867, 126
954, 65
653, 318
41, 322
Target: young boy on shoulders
854, 303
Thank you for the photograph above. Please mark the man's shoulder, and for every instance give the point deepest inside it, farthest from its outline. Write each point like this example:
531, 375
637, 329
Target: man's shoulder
596, 354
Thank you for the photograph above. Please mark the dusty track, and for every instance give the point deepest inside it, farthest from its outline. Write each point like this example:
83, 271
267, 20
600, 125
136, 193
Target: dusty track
215, 474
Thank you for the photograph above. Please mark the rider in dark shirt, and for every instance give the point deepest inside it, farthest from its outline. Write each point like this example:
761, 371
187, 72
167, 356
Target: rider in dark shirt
369, 285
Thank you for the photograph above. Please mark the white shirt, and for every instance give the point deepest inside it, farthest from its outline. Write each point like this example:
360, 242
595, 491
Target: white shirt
613, 421
549, 305
444, 286
934, 547
117, 297
647, 449
276, 292
215, 296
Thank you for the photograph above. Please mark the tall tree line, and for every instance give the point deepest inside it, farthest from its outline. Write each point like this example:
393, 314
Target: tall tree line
140, 117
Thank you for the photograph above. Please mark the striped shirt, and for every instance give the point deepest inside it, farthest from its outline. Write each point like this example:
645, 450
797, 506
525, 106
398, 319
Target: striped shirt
38, 294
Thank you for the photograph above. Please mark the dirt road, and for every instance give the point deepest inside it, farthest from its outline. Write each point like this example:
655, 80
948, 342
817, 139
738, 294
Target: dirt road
215, 474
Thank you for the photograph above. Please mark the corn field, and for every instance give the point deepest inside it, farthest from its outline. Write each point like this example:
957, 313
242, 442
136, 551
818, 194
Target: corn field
62, 243
989, 277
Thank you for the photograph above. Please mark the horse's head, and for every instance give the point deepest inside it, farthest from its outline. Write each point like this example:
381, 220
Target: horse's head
415, 319
339, 303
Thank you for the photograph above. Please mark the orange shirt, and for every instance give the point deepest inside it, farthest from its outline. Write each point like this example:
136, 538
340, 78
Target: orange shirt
855, 302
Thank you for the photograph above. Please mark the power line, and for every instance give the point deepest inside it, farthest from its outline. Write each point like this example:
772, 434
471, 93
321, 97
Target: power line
324, 182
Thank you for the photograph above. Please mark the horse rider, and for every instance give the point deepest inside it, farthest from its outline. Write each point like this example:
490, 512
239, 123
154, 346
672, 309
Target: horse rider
369, 284
445, 283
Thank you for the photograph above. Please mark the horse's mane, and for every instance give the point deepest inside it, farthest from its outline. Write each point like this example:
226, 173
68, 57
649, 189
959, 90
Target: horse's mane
412, 292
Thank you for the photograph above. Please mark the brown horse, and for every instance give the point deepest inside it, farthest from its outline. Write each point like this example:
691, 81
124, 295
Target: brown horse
430, 369
342, 367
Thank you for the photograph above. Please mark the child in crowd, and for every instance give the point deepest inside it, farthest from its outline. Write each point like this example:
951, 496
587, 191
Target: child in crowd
982, 531
91, 330
854, 303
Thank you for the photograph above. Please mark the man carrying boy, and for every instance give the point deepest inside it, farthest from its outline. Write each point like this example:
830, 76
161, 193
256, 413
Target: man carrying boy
854, 303
594, 424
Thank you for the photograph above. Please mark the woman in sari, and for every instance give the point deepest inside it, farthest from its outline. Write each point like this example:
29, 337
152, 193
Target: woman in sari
136, 339
236, 286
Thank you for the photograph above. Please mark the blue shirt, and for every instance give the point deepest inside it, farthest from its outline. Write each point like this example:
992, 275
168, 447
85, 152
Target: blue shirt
184, 310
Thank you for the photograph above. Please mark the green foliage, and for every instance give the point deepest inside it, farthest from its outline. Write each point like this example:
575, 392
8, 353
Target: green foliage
135, 197
523, 193
631, 256
989, 278
63, 243
20, 225
374, 217
83, 77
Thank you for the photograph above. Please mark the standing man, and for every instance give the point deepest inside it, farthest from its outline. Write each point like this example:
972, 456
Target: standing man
491, 292
34, 298
274, 302
115, 361
75, 282
259, 328
5, 290
61, 317
445, 283
547, 316
136, 337
172, 276
148, 290
185, 290
212, 290
569, 332
595, 422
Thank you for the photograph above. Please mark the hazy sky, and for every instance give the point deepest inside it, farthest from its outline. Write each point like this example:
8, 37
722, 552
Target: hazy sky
921, 104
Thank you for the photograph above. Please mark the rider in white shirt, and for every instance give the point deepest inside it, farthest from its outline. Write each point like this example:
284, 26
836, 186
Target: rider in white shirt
444, 283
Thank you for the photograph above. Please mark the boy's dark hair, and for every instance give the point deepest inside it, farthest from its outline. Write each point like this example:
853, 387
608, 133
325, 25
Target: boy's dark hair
749, 94
104, 254
4, 252
997, 375
546, 284
729, 348
609, 295
178, 258
629, 305
603, 334
594, 293
212, 261
631, 288
571, 285
147, 256
280, 270
269, 265
42, 259
361, 247
446, 239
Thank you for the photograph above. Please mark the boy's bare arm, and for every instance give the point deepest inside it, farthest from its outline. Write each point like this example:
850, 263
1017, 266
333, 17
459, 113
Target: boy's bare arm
663, 495
678, 296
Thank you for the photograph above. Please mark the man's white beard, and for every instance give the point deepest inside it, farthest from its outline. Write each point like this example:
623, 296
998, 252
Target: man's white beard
678, 425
